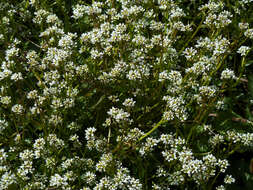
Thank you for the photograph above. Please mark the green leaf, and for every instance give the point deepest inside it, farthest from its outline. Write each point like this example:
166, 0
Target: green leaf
98, 102
248, 113
249, 63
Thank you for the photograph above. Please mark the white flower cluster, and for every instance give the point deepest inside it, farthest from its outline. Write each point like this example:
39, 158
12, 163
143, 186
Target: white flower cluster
17, 108
243, 138
129, 102
208, 91
104, 162
3, 125
118, 115
203, 66
149, 146
245, 1
190, 53
229, 179
198, 169
7, 179
175, 108
227, 74
243, 50
249, 33
58, 181
39, 146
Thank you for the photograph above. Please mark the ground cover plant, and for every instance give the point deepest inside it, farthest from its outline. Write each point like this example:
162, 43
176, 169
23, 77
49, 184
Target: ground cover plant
126, 94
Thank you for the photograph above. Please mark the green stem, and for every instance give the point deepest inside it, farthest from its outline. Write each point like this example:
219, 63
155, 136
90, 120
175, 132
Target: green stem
242, 70
153, 129
190, 134
215, 179
193, 35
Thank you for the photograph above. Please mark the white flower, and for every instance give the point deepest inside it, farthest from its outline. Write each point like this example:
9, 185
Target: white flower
228, 74
53, 19
168, 115
163, 76
5, 100
208, 91
5, 20
223, 164
104, 161
78, 11
89, 133
243, 26
229, 179
220, 105
216, 139
11, 53
32, 2
189, 53
17, 109
89, 177
129, 102
16, 76
6, 180
221, 187
26, 155
243, 50
58, 181
3, 126
249, 33
32, 94
1, 37
118, 114
67, 41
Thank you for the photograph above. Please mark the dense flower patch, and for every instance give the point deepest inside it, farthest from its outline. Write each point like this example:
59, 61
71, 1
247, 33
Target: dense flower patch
124, 94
